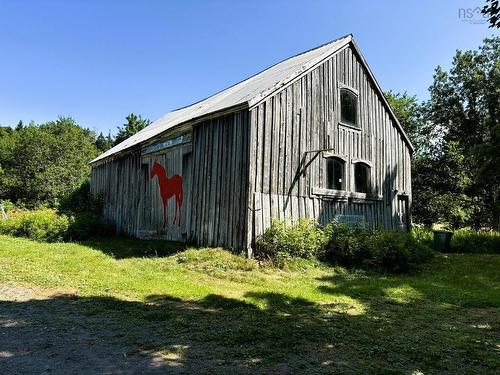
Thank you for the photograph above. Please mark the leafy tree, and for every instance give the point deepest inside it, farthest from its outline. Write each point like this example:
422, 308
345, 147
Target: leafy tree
103, 143
456, 165
42, 164
429, 203
465, 103
411, 116
491, 9
5, 131
134, 124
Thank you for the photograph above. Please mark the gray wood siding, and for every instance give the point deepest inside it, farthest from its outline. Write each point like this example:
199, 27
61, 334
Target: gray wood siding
220, 178
305, 116
214, 170
119, 183
132, 199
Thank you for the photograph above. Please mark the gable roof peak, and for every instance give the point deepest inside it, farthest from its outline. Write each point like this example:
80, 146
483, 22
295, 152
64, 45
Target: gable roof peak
244, 94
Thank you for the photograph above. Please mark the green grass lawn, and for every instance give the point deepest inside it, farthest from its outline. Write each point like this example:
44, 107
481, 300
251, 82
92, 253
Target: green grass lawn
205, 309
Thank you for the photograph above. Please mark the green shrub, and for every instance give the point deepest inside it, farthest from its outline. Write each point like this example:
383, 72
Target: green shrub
81, 200
84, 225
40, 225
475, 241
7, 205
282, 241
423, 235
345, 245
395, 251
380, 250
47, 225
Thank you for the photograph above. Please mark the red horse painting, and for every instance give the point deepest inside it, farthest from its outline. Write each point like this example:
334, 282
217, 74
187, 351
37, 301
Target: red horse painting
168, 187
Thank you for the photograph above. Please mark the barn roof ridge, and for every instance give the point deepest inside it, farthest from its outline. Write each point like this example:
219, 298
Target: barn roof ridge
246, 93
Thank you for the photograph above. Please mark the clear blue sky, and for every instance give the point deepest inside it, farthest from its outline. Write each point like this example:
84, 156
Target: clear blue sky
97, 61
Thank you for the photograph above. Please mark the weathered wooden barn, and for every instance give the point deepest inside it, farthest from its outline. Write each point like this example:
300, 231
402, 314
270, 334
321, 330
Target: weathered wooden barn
311, 136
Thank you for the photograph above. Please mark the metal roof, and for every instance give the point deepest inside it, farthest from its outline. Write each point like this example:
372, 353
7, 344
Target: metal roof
248, 92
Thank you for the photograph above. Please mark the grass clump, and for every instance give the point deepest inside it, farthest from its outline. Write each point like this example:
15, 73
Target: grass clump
215, 259
475, 241
423, 234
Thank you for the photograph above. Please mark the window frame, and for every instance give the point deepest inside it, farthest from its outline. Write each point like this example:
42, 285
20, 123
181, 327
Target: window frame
355, 93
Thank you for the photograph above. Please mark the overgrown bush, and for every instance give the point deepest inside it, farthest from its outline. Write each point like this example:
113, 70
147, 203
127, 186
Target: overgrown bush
81, 200
47, 225
423, 235
282, 241
395, 251
7, 205
84, 225
40, 225
383, 250
475, 241
380, 250
345, 245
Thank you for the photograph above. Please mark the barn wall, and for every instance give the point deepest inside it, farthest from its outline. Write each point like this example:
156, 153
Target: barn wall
213, 166
220, 178
305, 116
132, 197
118, 183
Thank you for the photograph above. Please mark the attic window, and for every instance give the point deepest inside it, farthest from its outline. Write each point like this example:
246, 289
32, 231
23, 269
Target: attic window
348, 107
335, 168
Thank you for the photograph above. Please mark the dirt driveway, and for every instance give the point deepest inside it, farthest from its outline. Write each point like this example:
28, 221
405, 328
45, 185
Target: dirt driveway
48, 332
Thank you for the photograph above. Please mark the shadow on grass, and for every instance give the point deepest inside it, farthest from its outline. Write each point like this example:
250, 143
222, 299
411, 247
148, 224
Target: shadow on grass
65, 334
121, 247
465, 281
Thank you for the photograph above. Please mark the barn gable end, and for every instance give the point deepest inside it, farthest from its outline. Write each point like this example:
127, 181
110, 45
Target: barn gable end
296, 130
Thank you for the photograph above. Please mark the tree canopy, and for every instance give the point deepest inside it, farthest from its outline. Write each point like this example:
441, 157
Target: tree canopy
491, 10
456, 135
42, 163
45, 163
133, 125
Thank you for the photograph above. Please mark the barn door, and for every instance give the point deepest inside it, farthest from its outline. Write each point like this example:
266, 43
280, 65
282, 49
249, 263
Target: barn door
403, 212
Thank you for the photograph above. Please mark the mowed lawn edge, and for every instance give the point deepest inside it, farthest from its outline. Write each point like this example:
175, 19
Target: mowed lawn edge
310, 318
